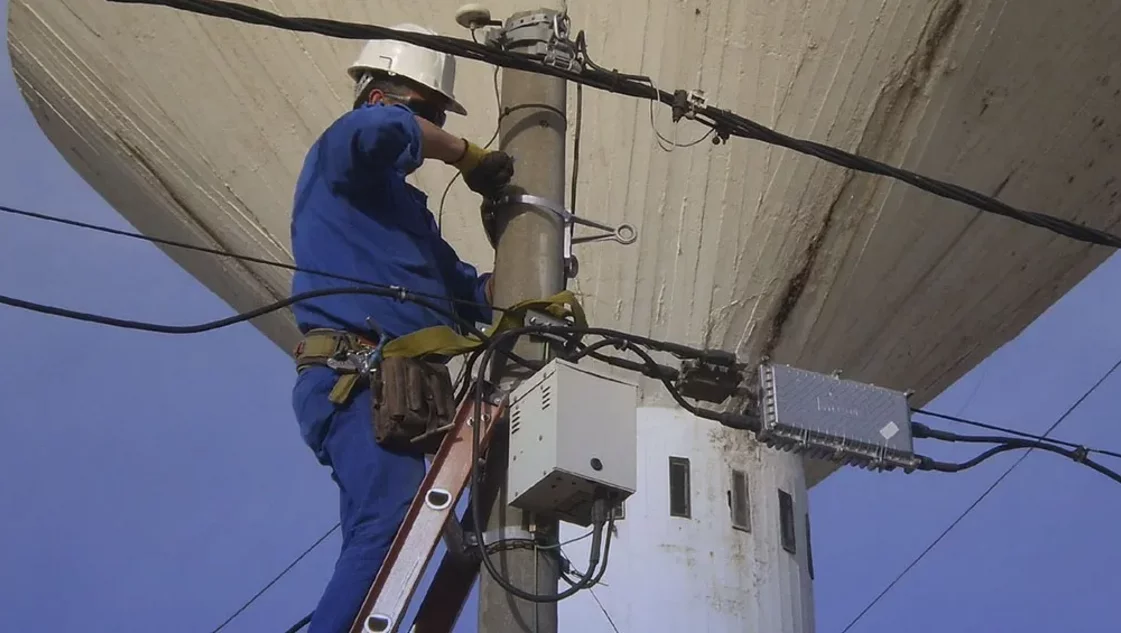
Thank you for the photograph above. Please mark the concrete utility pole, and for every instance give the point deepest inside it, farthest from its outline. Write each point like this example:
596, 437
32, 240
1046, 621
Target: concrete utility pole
528, 265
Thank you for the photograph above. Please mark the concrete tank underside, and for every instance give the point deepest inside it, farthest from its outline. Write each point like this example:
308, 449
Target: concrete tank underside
194, 128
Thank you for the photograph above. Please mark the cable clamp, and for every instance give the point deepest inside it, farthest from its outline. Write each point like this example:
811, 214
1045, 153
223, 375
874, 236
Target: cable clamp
561, 51
501, 538
704, 380
544, 319
687, 103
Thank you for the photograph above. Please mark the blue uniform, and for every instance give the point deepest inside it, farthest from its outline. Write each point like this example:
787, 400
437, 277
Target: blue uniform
354, 215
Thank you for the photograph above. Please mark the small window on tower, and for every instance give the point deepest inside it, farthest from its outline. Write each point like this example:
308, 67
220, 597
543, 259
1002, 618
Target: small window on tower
739, 501
786, 521
679, 488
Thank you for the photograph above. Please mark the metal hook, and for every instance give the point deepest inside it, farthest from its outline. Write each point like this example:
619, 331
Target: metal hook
623, 234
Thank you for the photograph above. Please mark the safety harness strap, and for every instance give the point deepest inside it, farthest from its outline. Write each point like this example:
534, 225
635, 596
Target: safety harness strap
320, 346
444, 341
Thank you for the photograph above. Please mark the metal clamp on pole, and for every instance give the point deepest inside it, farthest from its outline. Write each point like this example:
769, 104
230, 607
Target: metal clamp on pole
623, 234
544, 33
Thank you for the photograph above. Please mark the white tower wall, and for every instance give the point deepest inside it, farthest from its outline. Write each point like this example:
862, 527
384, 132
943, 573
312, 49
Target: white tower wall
700, 573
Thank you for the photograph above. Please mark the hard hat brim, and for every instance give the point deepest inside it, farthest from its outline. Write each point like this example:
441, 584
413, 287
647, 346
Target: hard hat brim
456, 107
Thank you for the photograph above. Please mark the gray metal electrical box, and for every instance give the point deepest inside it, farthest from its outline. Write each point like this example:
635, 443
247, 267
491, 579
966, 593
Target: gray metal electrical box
572, 430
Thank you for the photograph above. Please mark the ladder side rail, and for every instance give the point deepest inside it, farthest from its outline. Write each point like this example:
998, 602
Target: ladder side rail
451, 586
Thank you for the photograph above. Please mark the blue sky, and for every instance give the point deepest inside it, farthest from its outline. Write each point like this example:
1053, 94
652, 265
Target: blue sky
157, 482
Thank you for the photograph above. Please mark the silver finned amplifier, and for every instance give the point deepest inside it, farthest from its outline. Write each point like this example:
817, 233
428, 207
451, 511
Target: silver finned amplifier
844, 421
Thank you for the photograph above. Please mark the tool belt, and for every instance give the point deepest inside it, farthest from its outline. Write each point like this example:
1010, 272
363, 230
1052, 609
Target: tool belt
413, 399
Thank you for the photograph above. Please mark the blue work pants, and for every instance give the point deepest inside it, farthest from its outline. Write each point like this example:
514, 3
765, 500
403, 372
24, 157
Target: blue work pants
376, 487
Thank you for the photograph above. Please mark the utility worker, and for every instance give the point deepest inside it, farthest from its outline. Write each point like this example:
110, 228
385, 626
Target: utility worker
355, 215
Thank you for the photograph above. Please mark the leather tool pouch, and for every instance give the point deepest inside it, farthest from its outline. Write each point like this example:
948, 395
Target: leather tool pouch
414, 405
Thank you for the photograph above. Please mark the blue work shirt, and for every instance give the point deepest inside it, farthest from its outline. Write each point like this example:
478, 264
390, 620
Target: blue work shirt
355, 216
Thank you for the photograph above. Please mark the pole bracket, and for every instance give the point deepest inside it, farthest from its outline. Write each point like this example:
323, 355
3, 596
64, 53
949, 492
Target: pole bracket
623, 234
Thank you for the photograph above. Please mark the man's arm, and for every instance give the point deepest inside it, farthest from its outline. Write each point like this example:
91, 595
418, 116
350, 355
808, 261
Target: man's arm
393, 136
440, 145
469, 285
465, 283
372, 139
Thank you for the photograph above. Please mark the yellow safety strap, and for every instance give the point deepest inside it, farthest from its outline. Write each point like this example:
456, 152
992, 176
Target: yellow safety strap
444, 341
340, 393
318, 344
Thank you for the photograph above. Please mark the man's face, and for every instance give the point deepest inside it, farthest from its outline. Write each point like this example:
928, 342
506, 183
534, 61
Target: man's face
433, 110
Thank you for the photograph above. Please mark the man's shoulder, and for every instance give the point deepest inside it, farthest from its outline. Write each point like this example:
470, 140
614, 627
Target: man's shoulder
372, 116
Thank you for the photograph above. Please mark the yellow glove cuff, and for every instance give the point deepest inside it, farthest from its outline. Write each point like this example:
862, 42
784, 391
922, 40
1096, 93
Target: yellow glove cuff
471, 158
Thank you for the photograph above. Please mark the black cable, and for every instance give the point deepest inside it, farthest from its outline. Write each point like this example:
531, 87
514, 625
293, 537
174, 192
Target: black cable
992, 427
576, 136
1005, 444
276, 579
723, 122
301, 624
399, 294
602, 608
740, 126
656, 371
977, 501
458, 175
223, 253
572, 334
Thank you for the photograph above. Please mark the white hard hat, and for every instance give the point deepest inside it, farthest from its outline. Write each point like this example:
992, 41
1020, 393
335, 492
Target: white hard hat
426, 67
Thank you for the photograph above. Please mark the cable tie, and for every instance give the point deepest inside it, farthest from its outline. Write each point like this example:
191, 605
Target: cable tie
1080, 454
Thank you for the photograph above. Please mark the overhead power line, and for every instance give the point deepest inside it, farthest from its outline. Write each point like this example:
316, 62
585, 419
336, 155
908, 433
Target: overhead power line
977, 501
723, 122
222, 253
276, 579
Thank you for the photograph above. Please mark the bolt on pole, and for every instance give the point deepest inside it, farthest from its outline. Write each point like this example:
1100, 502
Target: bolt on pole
529, 264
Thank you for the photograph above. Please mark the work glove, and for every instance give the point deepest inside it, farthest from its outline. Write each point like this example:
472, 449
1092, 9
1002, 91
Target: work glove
486, 173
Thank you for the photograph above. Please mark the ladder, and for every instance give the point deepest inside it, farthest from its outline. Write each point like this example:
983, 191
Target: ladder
431, 516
